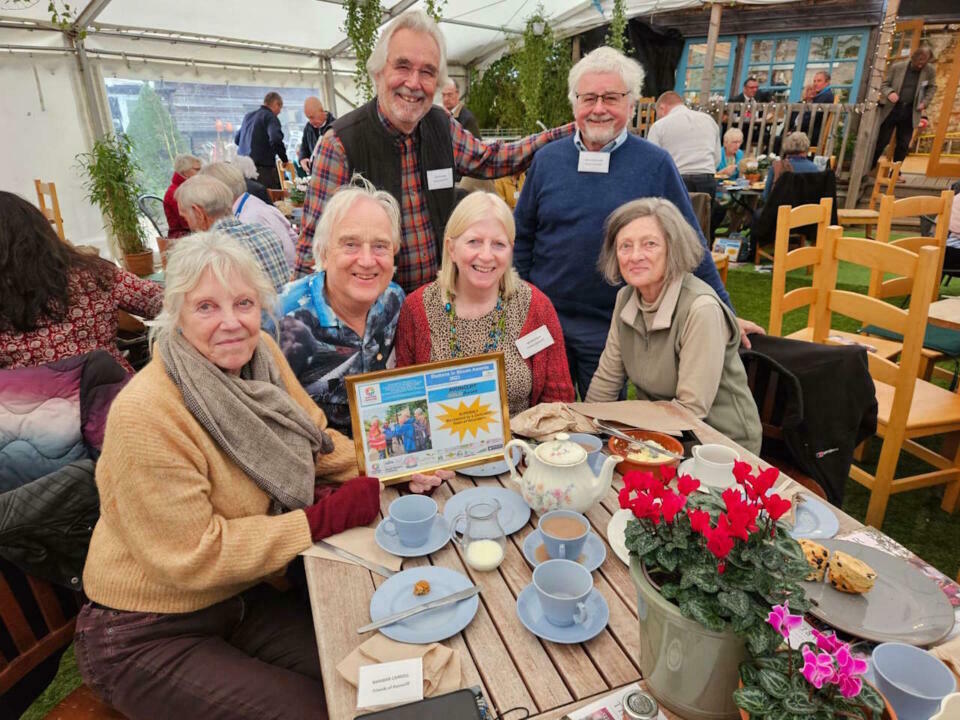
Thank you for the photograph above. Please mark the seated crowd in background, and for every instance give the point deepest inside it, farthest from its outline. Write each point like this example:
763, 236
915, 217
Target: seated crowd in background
794, 158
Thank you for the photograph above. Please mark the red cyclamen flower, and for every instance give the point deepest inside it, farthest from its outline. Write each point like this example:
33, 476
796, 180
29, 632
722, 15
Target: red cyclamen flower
687, 484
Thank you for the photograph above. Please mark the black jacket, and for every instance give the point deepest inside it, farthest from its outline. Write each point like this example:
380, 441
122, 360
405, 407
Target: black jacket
469, 122
261, 137
761, 96
792, 189
311, 135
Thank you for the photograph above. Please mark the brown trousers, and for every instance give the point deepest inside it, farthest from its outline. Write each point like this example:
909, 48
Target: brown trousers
251, 656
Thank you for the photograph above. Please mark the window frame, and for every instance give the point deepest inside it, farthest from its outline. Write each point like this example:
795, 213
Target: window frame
680, 83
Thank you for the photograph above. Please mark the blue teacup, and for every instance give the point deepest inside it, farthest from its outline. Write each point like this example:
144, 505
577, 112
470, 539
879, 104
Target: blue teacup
561, 537
913, 680
411, 518
562, 587
593, 445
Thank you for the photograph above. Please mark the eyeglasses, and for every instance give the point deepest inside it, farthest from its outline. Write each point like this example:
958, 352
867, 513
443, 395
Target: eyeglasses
609, 98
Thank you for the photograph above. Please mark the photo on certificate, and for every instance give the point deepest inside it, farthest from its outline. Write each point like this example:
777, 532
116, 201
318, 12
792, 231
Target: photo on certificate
426, 417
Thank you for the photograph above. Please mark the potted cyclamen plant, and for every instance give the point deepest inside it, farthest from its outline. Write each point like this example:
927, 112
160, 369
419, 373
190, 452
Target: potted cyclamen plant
708, 566
821, 679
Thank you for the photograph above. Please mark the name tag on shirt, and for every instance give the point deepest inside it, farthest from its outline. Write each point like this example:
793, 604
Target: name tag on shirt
534, 342
593, 162
440, 179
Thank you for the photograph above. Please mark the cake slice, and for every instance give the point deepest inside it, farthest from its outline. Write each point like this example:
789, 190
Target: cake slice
817, 556
849, 574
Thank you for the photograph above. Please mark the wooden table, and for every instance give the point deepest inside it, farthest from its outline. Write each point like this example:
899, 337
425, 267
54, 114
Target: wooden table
945, 313
513, 666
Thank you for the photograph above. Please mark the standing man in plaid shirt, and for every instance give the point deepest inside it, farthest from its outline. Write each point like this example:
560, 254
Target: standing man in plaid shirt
405, 145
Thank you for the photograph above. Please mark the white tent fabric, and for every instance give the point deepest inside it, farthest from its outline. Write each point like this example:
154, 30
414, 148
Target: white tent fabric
46, 116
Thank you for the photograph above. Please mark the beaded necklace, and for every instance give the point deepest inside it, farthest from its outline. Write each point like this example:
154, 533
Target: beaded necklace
493, 337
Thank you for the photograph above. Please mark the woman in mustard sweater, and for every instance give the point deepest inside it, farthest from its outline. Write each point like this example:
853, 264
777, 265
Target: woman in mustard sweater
208, 485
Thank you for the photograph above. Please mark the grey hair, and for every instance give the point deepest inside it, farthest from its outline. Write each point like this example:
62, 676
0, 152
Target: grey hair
341, 203
207, 193
417, 21
733, 134
247, 167
185, 161
190, 258
229, 175
272, 97
606, 60
684, 249
796, 143
825, 73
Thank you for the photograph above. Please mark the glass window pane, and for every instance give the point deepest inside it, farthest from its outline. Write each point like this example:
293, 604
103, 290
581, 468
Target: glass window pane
843, 73
781, 77
786, 50
761, 50
693, 79
719, 79
696, 54
722, 55
848, 46
761, 75
821, 47
840, 95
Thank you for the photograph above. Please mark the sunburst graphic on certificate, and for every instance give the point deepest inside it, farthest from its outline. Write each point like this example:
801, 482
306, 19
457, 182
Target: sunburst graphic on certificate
465, 418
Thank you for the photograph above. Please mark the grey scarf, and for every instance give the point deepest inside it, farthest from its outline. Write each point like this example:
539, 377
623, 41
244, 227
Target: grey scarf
252, 418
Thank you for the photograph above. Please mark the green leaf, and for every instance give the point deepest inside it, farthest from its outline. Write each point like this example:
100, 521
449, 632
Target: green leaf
797, 702
871, 698
698, 609
754, 700
773, 682
758, 639
702, 576
670, 591
749, 673
736, 601
778, 663
640, 541
667, 560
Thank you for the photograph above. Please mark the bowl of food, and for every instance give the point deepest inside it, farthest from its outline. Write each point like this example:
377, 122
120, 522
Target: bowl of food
638, 457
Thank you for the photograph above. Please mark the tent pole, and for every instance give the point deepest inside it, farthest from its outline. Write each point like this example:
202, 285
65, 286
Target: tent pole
87, 80
867, 132
329, 94
706, 80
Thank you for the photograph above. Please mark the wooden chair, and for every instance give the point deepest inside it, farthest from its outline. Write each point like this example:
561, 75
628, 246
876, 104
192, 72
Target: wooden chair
284, 169
884, 185
52, 211
791, 189
722, 261
40, 625
785, 260
909, 408
276, 195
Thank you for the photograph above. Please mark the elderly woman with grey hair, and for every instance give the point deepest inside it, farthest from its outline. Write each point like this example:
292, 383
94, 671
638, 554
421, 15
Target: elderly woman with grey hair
250, 209
671, 336
217, 470
793, 159
184, 167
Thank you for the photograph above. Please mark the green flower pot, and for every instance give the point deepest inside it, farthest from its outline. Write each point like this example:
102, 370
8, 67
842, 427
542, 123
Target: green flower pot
688, 669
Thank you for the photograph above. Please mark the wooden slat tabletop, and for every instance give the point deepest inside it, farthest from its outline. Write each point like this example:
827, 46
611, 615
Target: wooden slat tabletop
512, 666
945, 313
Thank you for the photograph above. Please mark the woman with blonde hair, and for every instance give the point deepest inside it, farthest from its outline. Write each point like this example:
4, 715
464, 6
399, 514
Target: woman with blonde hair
479, 304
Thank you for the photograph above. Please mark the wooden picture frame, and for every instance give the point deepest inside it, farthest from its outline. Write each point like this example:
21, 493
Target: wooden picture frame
421, 418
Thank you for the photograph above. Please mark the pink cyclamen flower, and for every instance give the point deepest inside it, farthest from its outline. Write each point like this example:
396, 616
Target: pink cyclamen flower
848, 663
850, 686
827, 643
782, 621
817, 667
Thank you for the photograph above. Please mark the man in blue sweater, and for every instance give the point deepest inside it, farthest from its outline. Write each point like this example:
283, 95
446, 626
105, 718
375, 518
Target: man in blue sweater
261, 137
571, 188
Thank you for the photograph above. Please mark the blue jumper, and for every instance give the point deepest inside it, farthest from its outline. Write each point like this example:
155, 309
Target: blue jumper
560, 217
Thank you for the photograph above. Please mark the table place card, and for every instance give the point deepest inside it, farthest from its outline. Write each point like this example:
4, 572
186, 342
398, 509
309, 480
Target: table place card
390, 683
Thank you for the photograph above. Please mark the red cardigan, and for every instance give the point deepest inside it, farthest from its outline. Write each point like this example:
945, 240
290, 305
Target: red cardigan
177, 226
548, 368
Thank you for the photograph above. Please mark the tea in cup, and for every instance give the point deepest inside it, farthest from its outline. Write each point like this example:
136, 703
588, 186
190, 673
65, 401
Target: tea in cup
564, 533
411, 518
713, 465
562, 587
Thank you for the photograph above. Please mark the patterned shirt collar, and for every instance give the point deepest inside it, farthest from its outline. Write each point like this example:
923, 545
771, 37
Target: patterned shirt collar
392, 130
608, 148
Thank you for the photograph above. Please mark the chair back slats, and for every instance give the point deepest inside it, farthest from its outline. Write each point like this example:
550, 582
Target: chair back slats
886, 183
877, 256
47, 602
868, 310
13, 619
50, 211
785, 260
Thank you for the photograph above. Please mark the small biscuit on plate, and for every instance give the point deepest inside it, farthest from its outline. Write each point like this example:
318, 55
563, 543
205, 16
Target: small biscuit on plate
817, 556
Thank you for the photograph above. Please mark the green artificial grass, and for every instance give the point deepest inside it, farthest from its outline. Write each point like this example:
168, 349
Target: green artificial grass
66, 681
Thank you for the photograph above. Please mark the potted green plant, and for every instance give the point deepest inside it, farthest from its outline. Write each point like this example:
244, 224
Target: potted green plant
111, 184
821, 679
708, 566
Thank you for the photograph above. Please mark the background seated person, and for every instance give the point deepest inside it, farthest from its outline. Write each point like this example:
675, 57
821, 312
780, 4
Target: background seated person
794, 159
250, 175
56, 302
729, 165
479, 304
671, 336
184, 167
203, 497
342, 319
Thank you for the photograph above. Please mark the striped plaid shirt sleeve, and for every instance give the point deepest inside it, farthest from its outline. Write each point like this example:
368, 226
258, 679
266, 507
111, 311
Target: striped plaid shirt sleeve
495, 158
330, 171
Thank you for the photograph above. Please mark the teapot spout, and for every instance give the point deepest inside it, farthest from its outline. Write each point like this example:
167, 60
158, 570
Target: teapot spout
601, 483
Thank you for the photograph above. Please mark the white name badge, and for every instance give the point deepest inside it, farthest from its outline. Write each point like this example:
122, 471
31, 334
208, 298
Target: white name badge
390, 683
594, 162
534, 342
440, 179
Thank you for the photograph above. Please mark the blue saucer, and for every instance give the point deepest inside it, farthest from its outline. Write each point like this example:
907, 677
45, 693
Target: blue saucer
396, 595
531, 615
814, 520
439, 536
594, 551
514, 511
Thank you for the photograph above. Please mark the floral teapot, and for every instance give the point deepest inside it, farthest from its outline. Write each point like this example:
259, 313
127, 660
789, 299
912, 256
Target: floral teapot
559, 476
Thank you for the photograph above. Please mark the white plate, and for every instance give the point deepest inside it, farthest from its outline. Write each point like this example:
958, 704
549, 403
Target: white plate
616, 534
494, 467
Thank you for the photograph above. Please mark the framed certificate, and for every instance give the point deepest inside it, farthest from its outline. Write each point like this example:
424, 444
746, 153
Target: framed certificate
426, 417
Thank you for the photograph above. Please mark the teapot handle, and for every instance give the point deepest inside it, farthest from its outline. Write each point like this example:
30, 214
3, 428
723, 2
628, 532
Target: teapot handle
508, 457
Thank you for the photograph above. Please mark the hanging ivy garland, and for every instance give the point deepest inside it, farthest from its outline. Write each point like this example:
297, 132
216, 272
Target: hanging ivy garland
61, 13
617, 33
434, 8
361, 26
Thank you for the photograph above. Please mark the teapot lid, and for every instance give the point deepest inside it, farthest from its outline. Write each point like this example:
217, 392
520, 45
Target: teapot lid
561, 451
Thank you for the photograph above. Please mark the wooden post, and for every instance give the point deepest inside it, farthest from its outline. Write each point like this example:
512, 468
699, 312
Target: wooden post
712, 35
867, 132
576, 49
